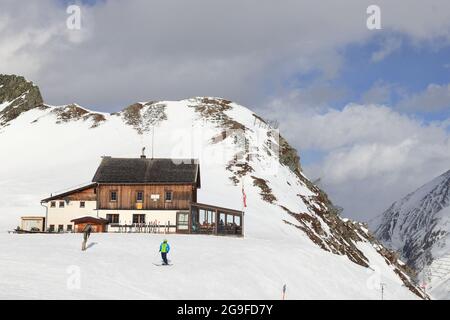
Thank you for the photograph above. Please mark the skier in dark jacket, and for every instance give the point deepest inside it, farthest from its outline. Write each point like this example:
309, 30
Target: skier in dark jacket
86, 233
164, 248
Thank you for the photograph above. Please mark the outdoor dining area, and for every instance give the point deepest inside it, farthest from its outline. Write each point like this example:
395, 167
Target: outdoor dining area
207, 219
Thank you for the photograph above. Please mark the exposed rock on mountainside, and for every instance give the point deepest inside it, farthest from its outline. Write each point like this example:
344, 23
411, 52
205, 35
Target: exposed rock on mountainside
418, 227
17, 95
142, 116
74, 112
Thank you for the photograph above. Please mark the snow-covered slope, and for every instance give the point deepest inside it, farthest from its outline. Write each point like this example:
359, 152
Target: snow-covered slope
48, 148
204, 267
418, 226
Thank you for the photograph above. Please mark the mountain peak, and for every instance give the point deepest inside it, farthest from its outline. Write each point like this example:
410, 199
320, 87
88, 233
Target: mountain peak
418, 224
239, 152
17, 95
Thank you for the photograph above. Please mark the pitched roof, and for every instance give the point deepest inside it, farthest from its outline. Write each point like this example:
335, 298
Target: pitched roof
68, 193
147, 171
89, 219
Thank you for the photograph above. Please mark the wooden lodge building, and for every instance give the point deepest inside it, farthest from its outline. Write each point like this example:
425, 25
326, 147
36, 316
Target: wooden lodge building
141, 195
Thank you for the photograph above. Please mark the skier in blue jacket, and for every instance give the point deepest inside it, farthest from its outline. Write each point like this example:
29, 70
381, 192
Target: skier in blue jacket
164, 248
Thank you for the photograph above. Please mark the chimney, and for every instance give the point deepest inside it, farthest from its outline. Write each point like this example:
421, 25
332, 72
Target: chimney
143, 153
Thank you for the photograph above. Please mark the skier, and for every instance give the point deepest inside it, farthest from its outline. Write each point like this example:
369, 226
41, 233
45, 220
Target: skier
86, 233
164, 248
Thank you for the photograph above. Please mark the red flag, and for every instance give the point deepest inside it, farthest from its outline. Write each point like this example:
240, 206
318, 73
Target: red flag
244, 197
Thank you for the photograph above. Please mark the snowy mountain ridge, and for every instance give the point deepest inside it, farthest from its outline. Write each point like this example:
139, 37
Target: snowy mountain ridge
418, 226
53, 147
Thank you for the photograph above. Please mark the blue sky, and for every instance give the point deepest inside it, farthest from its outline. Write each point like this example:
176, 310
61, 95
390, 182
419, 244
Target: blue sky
408, 70
411, 66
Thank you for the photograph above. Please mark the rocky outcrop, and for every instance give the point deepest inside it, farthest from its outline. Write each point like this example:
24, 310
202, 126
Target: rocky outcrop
17, 96
265, 190
213, 110
289, 156
73, 112
143, 116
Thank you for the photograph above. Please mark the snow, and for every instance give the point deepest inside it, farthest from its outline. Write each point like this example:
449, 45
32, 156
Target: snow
4, 105
43, 156
436, 277
422, 219
204, 267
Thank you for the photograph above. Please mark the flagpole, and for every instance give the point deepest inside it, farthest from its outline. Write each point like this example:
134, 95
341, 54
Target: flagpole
244, 204
242, 190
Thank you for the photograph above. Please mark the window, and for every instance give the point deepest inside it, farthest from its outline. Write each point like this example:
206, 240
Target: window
207, 217
138, 218
139, 196
112, 218
211, 217
61, 204
203, 217
51, 228
69, 228
113, 196
82, 204
168, 196
183, 221
60, 228
53, 204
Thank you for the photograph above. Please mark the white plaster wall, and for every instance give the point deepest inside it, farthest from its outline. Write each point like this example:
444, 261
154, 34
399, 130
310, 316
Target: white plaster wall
71, 210
160, 217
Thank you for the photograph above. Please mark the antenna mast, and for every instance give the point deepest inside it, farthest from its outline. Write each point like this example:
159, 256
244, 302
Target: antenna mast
153, 138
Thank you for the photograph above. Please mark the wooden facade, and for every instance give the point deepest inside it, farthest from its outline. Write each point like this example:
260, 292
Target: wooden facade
84, 195
87, 193
153, 196
95, 227
97, 224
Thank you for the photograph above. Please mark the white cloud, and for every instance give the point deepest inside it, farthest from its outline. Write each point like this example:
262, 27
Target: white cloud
388, 46
379, 93
353, 125
314, 97
434, 98
373, 155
